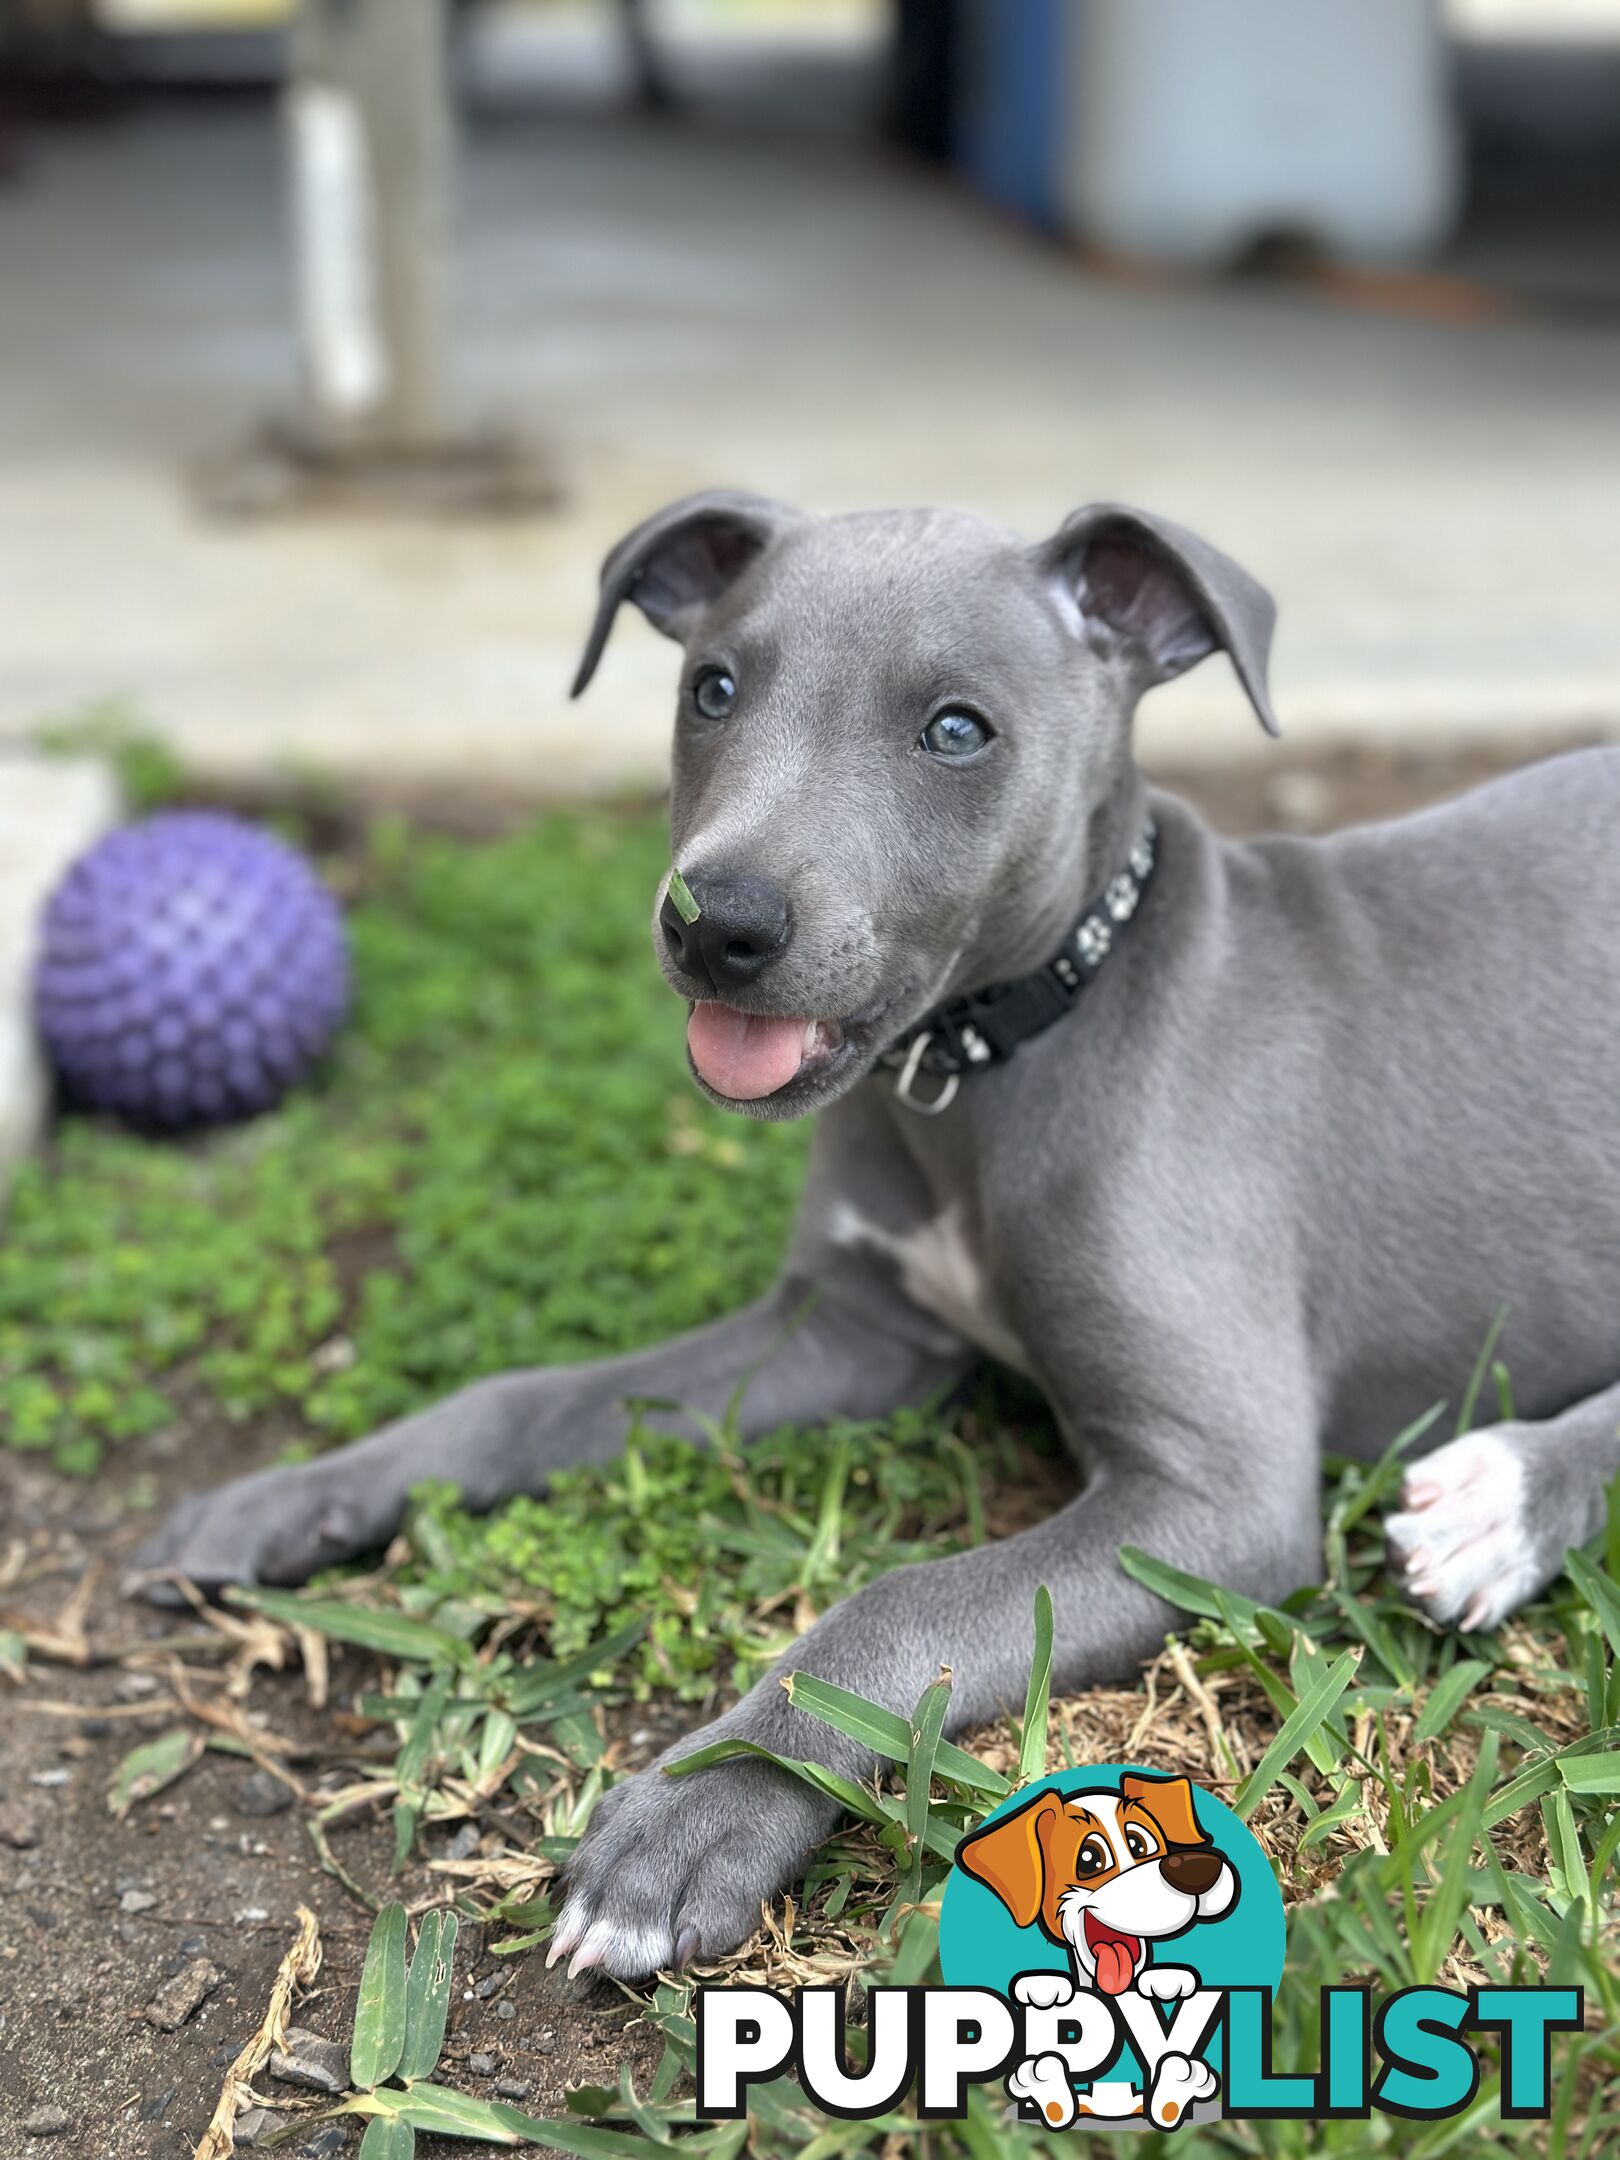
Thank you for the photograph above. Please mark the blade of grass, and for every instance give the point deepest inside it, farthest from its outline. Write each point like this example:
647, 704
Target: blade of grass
427, 1994
1592, 1774
152, 1766
1380, 1479
1320, 1747
538, 1684
1188, 1593
494, 2122
1476, 1379
1345, 1803
887, 1734
388, 2138
1446, 1698
335, 1868
391, 1634
927, 1722
1038, 1695
1316, 1706
1599, 1592
823, 1552
379, 2016
1437, 1925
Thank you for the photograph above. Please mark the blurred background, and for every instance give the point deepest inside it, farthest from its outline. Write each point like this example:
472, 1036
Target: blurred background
338, 343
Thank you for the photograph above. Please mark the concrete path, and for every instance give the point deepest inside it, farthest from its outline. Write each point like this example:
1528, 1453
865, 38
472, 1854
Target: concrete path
669, 306
50, 809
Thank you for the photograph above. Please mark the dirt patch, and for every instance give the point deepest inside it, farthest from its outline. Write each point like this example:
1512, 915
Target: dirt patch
96, 1915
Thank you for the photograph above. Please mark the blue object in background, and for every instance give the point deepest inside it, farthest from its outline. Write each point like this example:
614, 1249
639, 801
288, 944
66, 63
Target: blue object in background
1012, 83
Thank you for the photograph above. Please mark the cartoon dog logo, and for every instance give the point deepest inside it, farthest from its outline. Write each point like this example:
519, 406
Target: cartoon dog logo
1109, 1875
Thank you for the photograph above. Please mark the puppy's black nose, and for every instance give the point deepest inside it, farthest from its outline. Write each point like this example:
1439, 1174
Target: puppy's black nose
741, 926
1193, 1870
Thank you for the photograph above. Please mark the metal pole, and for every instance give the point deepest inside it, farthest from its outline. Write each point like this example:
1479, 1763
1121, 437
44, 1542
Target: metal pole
371, 151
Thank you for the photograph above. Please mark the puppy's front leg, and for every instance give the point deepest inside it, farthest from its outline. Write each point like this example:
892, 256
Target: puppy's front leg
672, 1868
808, 1350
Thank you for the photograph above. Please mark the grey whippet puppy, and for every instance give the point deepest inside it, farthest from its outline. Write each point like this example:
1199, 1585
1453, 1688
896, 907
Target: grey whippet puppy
1237, 1159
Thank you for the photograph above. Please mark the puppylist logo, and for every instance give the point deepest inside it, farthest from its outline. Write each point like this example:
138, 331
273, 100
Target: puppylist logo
1110, 1941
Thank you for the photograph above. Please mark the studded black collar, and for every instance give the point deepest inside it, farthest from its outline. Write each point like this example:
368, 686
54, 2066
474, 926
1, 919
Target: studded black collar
968, 1033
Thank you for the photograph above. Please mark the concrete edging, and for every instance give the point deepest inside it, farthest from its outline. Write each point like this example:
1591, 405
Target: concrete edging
51, 809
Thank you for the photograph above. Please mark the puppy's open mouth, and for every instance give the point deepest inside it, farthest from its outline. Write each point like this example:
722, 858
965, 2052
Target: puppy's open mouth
1118, 1955
749, 1055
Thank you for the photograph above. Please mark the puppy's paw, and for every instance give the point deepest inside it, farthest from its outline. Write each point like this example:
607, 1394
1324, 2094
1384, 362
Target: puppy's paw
277, 1527
1166, 1983
1042, 2081
1177, 2083
672, 1869
1043, 1990
1462, 1545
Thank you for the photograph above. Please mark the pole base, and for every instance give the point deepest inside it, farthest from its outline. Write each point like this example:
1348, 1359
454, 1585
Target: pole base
284, 472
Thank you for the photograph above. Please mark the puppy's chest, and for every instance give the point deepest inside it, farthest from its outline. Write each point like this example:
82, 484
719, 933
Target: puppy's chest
941, 1268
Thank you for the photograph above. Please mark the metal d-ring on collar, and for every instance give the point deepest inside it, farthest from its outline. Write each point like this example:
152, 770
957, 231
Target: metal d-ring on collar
986, 1027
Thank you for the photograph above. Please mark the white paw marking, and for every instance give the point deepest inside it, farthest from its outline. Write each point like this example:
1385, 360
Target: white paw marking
1166, 1983
1043, 2080
630, 1952
1177, 2083
1459, 1544
1043, 1990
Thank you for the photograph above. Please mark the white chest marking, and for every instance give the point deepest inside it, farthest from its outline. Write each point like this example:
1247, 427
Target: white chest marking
940, 1272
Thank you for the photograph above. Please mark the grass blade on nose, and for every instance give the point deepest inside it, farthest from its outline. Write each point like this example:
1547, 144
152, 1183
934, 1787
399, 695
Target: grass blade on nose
681, 893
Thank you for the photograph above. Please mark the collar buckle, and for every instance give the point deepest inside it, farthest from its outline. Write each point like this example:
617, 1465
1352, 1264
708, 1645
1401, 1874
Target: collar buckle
905, 1084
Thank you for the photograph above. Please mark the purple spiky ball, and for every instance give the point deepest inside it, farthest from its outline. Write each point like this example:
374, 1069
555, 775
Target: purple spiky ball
192, 967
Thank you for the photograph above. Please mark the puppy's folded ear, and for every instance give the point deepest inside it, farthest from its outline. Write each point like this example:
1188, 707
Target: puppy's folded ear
1169, 1800
679, 562
1007, 1857
1158, 592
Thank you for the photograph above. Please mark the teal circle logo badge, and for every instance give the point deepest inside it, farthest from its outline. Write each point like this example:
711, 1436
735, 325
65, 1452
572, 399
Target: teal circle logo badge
1118, 1906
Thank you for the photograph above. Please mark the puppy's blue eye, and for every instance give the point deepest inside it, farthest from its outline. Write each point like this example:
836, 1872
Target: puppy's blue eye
714, 694
954, 735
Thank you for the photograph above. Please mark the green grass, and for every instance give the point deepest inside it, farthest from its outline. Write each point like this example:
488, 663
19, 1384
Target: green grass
714, 1551
504, 1163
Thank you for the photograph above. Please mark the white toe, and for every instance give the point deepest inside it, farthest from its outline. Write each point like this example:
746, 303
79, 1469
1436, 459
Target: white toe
1460, 1544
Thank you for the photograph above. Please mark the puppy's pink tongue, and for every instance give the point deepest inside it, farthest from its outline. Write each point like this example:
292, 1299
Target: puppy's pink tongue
1114, 1967
743, 1055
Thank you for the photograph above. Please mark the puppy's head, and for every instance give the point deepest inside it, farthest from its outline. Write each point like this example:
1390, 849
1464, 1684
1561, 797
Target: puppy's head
1105, 1873
902, 757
